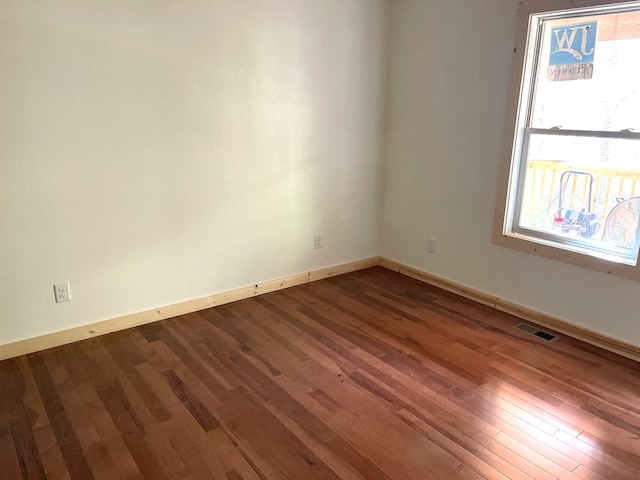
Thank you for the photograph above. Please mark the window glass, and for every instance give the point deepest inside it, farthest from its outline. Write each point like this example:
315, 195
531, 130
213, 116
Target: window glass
605, 50
598, 174
574, 180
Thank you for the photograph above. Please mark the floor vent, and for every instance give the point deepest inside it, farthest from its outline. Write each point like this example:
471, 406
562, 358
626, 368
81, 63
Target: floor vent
546, 336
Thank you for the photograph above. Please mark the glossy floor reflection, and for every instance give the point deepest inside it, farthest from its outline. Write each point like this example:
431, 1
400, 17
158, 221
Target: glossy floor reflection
369, 375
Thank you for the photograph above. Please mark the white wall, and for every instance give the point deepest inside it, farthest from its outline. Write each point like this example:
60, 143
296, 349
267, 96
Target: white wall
450, 68
153, 152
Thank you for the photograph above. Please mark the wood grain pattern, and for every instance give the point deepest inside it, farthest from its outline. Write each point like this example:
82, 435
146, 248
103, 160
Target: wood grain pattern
36, 344
580, 332
369, 375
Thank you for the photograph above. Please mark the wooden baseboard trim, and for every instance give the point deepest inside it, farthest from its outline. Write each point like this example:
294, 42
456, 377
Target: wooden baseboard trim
589, 336
55, 339
64, 337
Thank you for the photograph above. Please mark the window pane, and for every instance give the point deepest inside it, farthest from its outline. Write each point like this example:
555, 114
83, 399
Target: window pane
573, 184
588, 76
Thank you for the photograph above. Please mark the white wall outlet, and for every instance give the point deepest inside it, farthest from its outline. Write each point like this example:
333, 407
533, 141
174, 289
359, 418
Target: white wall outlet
317, 242
432, 244
62, 292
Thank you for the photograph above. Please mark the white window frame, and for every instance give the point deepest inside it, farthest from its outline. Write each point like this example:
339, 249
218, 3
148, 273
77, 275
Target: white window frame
507, 231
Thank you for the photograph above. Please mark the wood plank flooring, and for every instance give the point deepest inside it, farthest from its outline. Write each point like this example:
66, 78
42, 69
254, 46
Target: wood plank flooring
369, 375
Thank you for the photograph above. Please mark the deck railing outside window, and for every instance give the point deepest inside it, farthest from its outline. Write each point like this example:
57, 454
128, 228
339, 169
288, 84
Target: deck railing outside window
545, 188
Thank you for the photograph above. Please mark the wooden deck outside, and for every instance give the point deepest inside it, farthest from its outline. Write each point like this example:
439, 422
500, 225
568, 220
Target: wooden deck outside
541, 199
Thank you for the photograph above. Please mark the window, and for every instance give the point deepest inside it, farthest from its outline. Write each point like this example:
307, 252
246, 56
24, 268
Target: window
571, 186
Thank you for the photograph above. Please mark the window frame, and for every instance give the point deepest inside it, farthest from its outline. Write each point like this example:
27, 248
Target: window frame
517, 132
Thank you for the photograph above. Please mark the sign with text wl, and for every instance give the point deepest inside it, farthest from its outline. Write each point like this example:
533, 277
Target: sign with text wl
572, 52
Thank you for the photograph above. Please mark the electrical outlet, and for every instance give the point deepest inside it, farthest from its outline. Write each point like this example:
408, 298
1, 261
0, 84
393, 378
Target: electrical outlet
62, 292
317, 242
432, 245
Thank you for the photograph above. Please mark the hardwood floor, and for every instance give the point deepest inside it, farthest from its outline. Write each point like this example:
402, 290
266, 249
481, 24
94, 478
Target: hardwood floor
370, 375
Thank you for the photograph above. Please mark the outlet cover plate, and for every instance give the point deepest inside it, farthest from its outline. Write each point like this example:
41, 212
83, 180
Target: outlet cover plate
62, 292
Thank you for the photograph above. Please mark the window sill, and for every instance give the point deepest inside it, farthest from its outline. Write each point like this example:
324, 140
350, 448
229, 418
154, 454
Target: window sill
593, 260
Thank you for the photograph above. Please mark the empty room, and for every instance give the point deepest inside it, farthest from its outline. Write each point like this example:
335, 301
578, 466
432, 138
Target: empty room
319, 239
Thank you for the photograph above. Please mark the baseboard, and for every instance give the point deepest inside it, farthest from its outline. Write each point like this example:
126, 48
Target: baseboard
64, 337
55, 339
589, 336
